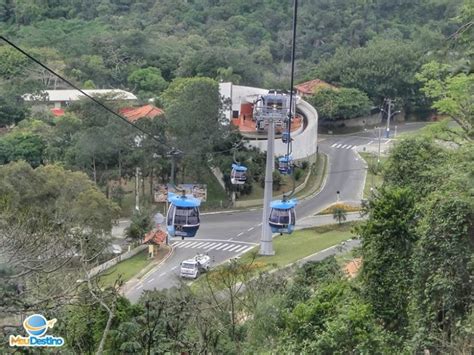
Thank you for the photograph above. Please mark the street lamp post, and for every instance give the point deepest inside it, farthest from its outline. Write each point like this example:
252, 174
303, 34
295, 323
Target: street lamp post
389, 116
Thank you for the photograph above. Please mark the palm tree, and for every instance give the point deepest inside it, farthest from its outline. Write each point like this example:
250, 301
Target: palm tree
339, 214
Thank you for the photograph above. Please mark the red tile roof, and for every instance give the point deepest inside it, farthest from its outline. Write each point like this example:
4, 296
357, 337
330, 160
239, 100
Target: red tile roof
135, 113
155, 236
57, 111
312, 86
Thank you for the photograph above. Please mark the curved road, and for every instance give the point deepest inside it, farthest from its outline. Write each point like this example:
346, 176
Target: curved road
227, 235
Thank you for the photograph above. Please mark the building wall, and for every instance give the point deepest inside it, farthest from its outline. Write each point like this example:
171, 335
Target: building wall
304, 144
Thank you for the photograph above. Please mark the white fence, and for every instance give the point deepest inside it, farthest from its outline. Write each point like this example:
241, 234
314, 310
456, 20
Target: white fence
108, 264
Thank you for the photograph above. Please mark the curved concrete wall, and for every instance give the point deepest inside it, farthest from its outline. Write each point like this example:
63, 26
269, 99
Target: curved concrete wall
304, 144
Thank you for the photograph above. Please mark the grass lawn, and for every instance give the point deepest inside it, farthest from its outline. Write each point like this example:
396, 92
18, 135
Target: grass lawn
302, 243
125, 269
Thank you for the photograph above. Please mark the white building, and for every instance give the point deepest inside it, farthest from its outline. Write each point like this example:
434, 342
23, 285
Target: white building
61, 98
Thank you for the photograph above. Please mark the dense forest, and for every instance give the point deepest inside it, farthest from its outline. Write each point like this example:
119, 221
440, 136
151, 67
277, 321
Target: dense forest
414, 290
374, 46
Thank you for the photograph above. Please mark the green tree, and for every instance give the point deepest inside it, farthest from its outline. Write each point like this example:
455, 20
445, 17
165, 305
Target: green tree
384, 68
141, 224
343, 103
339, 214
451, 94
148, 82
388, 239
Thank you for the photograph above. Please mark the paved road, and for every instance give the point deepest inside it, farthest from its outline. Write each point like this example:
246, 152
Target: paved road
228, 235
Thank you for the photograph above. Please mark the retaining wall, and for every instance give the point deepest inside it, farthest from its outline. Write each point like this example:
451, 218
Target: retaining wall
304, 144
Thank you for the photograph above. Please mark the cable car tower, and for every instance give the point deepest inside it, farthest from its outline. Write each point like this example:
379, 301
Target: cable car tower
271, 108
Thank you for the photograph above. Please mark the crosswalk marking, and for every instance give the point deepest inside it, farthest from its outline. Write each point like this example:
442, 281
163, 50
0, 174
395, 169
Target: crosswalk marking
234, 247
184, 244
208, 246
214, 246
241, 247
343, 146
228, 247
246, 250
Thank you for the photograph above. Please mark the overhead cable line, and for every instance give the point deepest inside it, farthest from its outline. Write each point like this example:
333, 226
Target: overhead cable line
105, 107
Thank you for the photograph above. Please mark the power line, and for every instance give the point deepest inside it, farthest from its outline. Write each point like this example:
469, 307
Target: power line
105, 107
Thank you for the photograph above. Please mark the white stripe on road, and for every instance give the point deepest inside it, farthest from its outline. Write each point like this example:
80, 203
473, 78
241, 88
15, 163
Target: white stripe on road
345, 145
338, 146
214, 246
139, 286
241, 247
162, 274
184, 244
246, 250
333, 145
223, 245
370, 142
250, 229
199, 245
238, 235
175, 244
350, 146
150, 280
228, 246
235, 247
387, 141
205, 245
192, 245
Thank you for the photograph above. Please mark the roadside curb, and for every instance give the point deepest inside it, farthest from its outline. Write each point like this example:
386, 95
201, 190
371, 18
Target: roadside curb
144, 272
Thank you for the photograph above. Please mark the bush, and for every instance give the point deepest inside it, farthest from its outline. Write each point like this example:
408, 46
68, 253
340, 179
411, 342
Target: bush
341, 104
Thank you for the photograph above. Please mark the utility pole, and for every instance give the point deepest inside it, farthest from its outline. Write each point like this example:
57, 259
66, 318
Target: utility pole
389, 101
137, 190
266, 245
380, 136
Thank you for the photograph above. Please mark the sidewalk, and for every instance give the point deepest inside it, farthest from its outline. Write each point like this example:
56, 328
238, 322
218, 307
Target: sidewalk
319, 220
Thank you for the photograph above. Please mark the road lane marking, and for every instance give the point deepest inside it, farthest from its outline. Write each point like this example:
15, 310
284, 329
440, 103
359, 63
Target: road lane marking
192, 245
174, 268
206, 245
234, 248
350, 146
370, 142
227, 247
241, 247
214, 246
246, 250
150, 280
387, 141
139, 286
240, 234
222, 246
258, 225
338, 146
250, 229
184, 244
162, 274
199, 245
333, 145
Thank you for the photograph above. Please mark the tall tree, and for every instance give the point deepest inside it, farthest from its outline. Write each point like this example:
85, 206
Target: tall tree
388, 239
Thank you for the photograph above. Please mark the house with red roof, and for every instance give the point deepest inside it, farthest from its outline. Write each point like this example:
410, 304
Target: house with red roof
134, 114
311, 87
